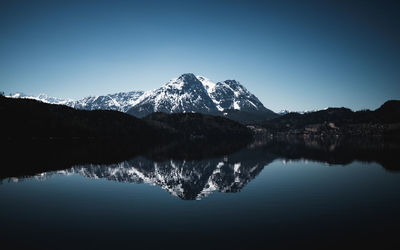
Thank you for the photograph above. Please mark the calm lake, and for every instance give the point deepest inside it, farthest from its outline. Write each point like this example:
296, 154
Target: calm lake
255, 198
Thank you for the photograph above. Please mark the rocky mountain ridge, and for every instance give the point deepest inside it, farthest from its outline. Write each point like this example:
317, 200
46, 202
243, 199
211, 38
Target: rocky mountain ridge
185, 94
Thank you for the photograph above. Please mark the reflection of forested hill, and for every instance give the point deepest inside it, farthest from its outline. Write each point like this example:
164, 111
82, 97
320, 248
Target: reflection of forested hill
24, 158
337, 150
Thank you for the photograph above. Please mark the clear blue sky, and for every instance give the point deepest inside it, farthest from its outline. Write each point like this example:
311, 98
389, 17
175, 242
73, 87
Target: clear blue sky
293, 55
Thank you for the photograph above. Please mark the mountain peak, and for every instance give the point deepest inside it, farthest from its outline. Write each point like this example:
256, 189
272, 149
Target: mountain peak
188, 76
231, 82
185, 94
184, 83
234, 85
191, 80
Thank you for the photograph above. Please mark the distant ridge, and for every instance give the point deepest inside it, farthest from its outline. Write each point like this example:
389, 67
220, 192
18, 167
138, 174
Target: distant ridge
185, 94
384, 121
119, 101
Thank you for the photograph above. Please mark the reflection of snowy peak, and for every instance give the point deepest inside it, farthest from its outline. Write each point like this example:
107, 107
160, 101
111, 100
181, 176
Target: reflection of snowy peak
188, 180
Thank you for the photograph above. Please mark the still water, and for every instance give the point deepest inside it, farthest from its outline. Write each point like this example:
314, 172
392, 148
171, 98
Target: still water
254, 198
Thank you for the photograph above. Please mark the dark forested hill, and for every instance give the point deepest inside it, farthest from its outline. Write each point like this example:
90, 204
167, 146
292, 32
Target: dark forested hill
27, 119
195, 125
340, 121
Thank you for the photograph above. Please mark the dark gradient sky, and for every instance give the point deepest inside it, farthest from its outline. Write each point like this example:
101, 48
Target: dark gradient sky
293, 55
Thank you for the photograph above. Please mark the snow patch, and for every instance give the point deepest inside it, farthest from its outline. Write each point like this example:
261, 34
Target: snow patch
207, 83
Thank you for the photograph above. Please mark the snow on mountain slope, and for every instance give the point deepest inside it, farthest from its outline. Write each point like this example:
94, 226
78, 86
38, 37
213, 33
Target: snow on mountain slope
180, 95
118, 101
207, 83
44, 98
230, 94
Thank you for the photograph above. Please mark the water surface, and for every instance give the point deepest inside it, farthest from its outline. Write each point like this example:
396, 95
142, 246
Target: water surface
257, 197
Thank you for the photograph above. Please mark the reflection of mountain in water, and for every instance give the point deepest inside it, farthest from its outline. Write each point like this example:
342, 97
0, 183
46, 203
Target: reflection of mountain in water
188, 180
199, 170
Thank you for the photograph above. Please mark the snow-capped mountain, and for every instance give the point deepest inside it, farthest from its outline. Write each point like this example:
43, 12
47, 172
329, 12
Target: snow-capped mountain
187, 93
230, 94
44, 98
118, 101
180, 95
190, 93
